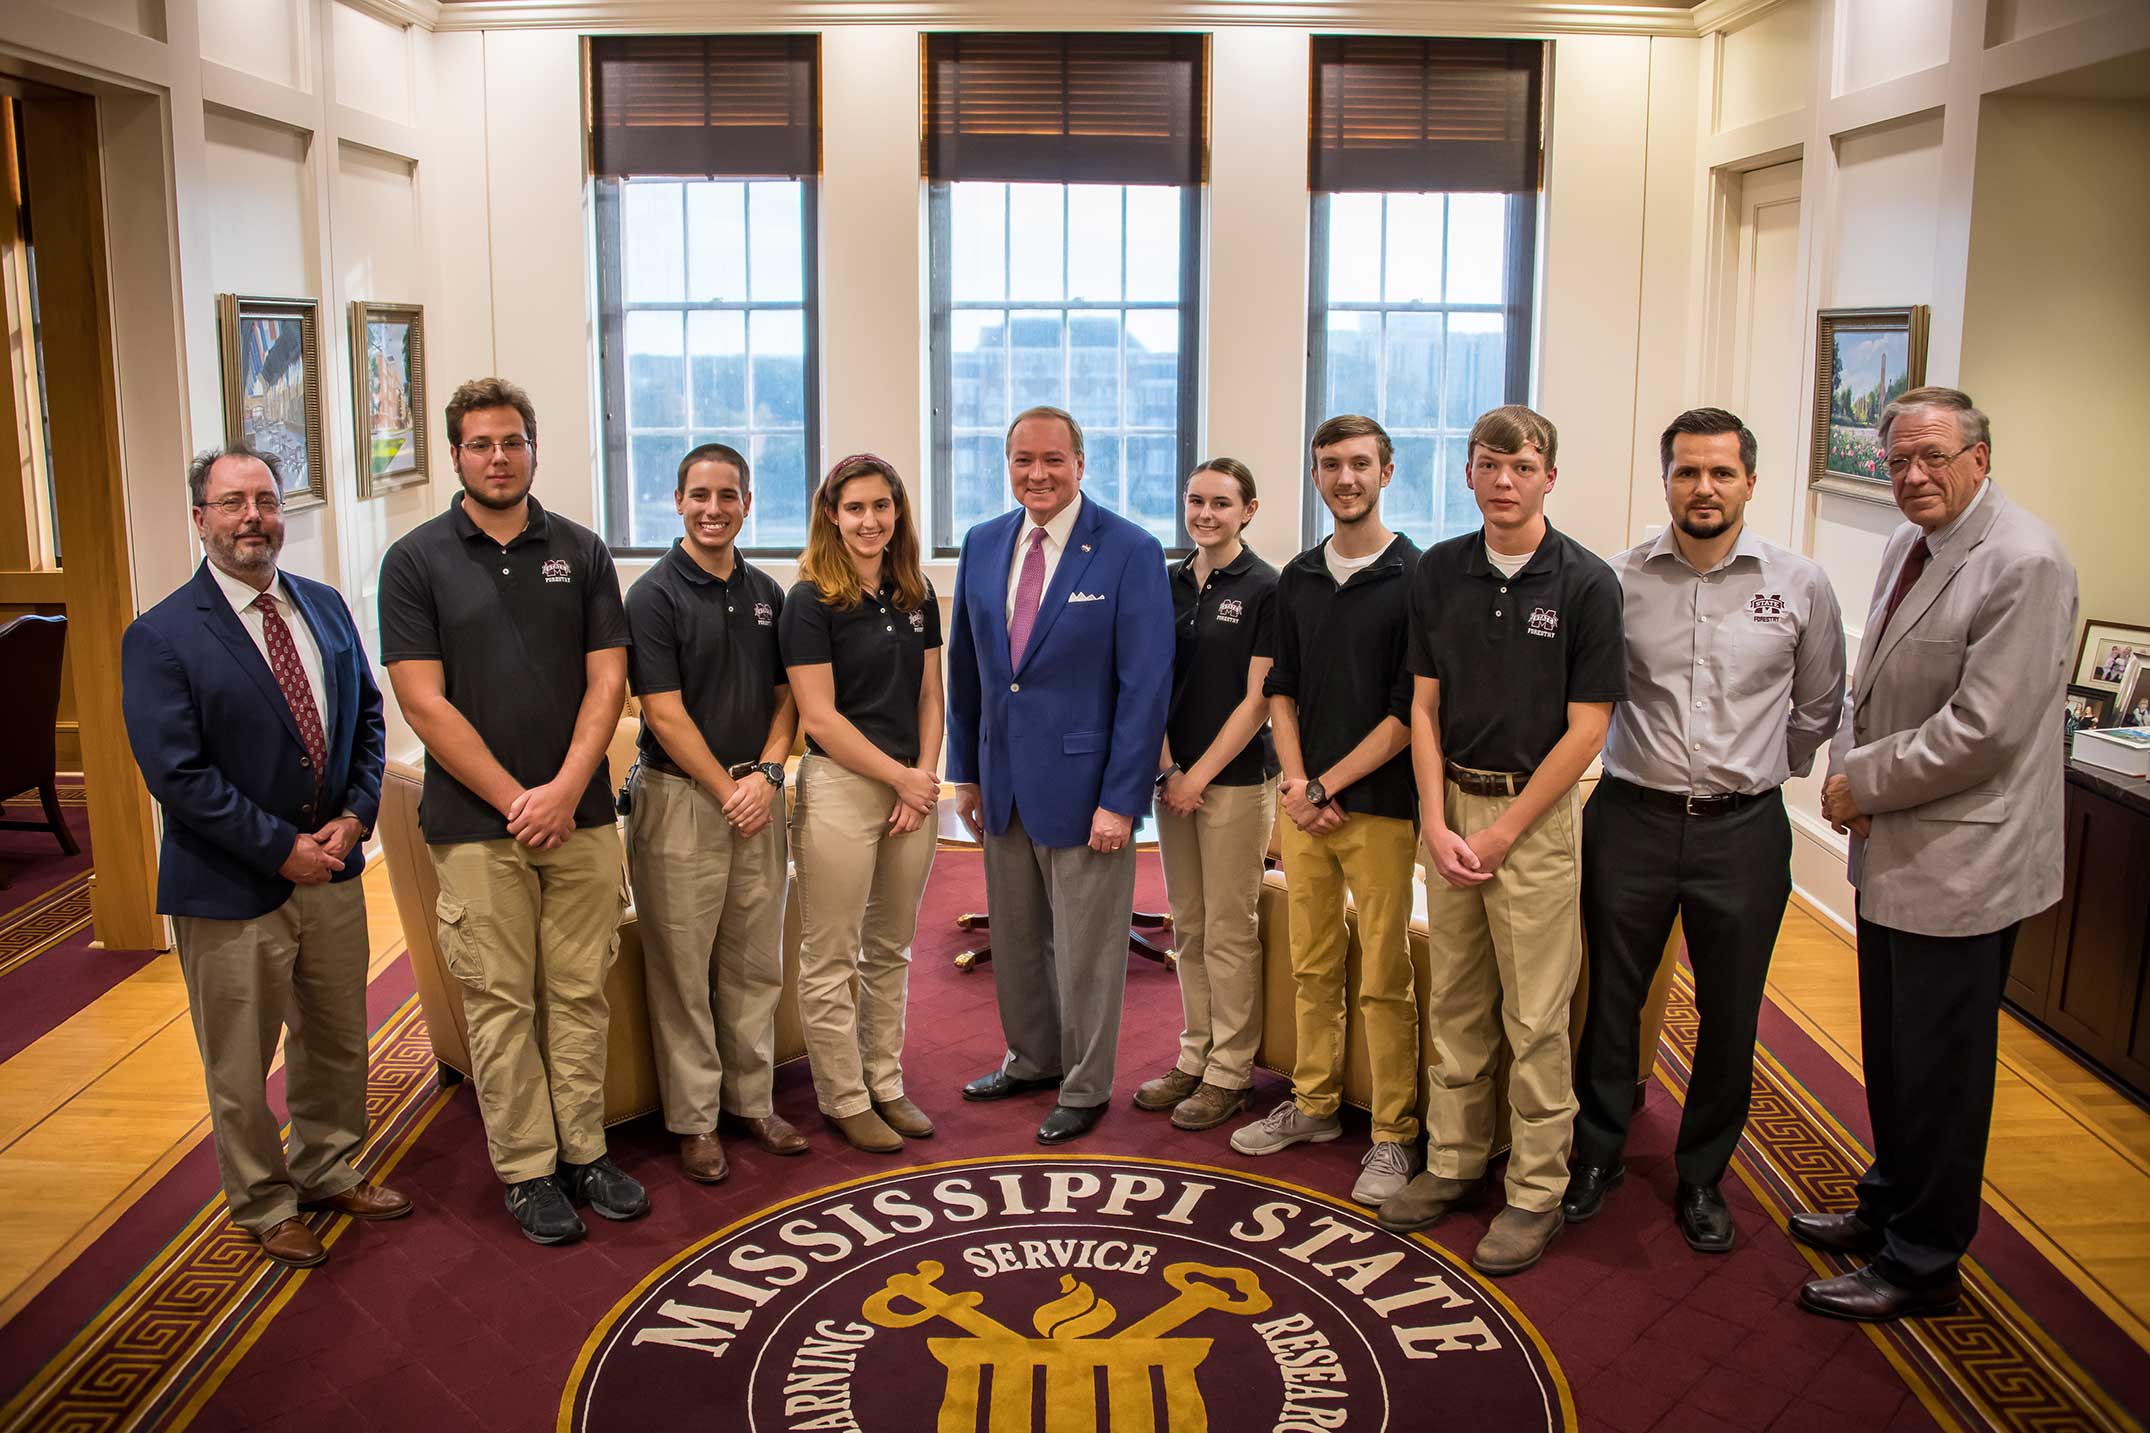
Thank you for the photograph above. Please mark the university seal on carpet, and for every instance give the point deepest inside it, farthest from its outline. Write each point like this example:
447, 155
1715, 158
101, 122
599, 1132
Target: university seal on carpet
1073, 1295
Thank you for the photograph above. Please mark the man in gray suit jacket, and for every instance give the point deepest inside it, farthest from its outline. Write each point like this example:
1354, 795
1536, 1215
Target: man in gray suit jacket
1946, 773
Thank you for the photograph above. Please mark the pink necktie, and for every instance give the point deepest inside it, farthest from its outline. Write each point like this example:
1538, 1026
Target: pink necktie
290, 674
1029, 587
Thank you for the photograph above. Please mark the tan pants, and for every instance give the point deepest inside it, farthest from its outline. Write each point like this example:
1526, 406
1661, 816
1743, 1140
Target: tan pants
529, 935
858, 908
1371, 856
1213, 877
710, 904
1516, 943
302, 967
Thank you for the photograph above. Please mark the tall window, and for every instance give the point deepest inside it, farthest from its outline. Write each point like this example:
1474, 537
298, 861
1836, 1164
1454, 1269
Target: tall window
705, 151
1424, 163
1064, 212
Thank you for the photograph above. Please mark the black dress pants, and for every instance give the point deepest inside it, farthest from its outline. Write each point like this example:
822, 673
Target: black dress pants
1929, 1026
1727, 879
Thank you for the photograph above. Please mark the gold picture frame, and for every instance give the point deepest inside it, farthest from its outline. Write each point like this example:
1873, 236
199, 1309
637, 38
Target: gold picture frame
272, 388
1863, 357
388, 396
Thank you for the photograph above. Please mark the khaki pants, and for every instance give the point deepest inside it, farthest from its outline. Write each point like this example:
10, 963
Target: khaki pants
1516, 942
529, 935
302, 967
710, 904
1213, 876
1371, 856
858, 908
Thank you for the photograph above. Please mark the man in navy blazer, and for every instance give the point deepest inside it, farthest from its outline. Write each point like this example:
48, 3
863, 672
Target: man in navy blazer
257, 725
1059, 673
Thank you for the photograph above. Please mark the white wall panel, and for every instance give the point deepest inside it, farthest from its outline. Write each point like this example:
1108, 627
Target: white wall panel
265, 38
136, 17
1882, 39
373, 63
2018, 19
1767, 68
1888, 190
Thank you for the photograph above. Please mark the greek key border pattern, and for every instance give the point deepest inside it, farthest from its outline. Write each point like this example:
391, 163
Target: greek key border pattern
30, 930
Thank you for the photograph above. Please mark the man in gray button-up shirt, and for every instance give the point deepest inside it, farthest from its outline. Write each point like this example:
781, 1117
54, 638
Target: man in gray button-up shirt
1735, 679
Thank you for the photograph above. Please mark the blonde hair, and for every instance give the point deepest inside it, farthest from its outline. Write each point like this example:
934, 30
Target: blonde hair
828, 566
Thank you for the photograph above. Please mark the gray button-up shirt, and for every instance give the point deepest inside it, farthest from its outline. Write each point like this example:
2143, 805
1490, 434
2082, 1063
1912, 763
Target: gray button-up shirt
1735, 676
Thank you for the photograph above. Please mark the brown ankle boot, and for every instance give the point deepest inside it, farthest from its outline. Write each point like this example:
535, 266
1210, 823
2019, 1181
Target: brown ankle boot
1516, 1241
1166, 1091
1209, 1106
701, 1158
867, 1131
905, 1118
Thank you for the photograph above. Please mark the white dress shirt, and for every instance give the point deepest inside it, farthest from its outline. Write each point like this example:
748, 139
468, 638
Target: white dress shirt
1056, 541
241, 595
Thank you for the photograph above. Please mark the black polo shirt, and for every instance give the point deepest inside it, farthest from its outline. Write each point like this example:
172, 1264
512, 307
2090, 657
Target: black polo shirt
510, 627
1340, 656
712, 640
1510, 653
876, 652
1221, 627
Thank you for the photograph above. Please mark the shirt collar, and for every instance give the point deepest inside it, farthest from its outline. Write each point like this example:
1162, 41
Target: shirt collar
1235, 568
1059, 528
534, 526
241, 595
1546, 558
1944, 538
683, 563
1747, 545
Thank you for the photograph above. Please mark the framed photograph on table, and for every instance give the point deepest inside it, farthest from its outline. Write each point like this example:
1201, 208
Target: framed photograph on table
2086, 707
1863, 358
272, 388
388, 381
2101, 661
2131, 706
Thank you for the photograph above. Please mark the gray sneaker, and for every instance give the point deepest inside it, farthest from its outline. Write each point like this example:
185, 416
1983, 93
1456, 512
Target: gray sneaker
1282, 1128
1385, 1171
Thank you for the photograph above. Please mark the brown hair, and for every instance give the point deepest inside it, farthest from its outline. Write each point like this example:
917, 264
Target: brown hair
489, 393
1705, 423
714, 453
1232, 468
828, 566
1043, 410
1353, 425
1511, 428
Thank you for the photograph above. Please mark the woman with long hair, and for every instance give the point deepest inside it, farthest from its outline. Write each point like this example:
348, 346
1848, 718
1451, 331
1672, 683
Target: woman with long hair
861, 634
1217, 794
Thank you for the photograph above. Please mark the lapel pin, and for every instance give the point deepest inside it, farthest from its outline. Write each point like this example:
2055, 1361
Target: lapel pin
1086, 547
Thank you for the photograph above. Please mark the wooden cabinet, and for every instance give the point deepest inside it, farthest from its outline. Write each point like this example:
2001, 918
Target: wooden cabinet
2081, 971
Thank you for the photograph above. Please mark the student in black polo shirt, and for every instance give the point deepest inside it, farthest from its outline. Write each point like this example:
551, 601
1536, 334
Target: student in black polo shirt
705, 822
504, 640
1339, 700
862, 638
1217, 799
1517, 659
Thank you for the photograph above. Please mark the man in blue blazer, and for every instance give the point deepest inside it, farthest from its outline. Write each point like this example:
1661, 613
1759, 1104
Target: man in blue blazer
1059, 673
257, 725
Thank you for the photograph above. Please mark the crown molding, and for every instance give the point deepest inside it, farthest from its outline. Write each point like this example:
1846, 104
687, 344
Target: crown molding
425, 14
1468, 18
1712, 16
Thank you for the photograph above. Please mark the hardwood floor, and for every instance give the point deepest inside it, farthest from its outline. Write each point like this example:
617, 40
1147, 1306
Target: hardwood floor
96, 1111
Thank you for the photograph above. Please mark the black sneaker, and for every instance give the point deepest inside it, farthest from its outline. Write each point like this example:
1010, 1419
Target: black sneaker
609, 1190
540, 1205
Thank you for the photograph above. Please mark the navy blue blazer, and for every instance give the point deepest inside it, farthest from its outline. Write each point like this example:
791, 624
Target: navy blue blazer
220, 751
1081, 723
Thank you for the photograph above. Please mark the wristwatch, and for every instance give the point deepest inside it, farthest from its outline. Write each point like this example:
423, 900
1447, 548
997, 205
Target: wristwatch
1317, 795
773, 771
1168, 773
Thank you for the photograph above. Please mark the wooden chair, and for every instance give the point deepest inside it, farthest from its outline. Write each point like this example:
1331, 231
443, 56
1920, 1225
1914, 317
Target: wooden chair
30, 651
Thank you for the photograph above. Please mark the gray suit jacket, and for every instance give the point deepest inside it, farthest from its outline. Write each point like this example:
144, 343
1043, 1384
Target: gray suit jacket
1952, 733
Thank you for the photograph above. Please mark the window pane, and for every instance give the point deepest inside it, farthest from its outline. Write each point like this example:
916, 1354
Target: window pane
1094, 241
1035, 353
1354, 248
779, 516
978, 368
716, 234
1413, 343
1153, 369
977, 231
1034, 235
1153, 243
1354, 353
1152, 485
717, 345
654, 247
1408, 504
1094, 369
1414, 249
1477, 248
1477, 367
1459, 507
1101, 470
652, 521
656, 370
778, 345
777, 254
981, 481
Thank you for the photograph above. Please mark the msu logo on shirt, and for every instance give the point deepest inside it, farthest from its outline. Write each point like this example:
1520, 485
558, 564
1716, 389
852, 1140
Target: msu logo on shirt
918, 620
1544, 622
1230, 609
763, 614
1766, 606
556, 569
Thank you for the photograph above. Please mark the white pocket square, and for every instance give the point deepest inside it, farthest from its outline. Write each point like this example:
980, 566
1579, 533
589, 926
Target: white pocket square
1086, 597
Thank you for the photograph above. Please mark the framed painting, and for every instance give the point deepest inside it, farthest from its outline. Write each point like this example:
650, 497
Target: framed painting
388, 380
2101, 661
1863, 358
272, 388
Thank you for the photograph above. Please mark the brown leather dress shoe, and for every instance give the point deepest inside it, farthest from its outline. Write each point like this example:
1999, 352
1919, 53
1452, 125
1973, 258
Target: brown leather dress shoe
364, 1200
1866, 1297
293, 1245
905, 1118
701, 1158
1845, 1234
772, 1133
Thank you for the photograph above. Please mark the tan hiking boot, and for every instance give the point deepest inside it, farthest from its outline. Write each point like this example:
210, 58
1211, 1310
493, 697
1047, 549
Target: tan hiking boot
1516, 1241
867, 1131
1209, 1106
905, 1118
1166, 1091
1427, 1200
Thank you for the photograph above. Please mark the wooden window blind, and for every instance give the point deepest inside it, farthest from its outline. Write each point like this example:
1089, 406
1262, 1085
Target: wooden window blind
740, 106
1067, 109
1426, 115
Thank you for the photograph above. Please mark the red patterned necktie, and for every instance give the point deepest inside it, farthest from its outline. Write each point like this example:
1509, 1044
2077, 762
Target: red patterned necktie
1029, 587
284, 662
1914, 564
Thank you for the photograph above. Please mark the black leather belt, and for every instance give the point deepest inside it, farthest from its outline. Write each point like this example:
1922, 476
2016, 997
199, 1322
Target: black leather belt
1487, 783
663, 764
1688, 804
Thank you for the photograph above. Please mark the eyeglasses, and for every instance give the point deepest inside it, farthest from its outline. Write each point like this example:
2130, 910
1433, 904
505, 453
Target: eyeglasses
236, 503
1932, 460
483, 447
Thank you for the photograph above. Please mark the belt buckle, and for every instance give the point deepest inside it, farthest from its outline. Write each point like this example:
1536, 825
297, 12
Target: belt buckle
1690, 802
